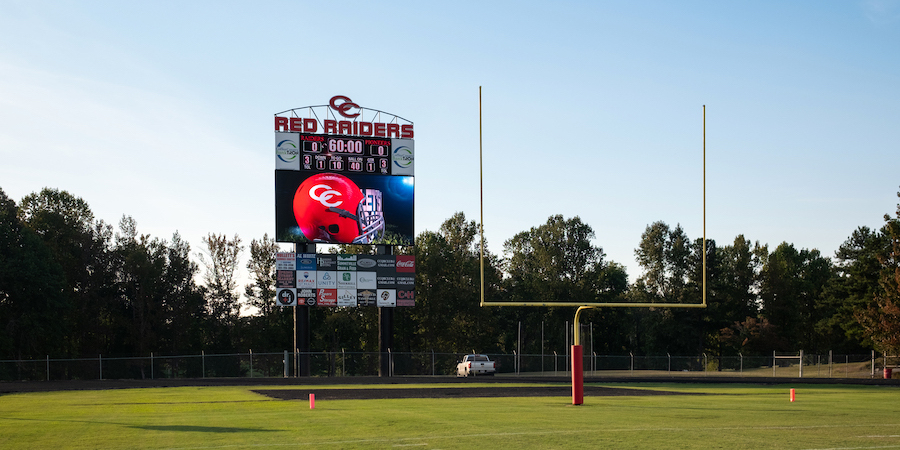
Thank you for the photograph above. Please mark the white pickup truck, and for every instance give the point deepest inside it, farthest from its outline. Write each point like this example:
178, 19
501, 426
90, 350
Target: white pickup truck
475, 365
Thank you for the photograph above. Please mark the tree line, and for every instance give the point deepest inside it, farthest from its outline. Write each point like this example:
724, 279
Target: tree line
73, 285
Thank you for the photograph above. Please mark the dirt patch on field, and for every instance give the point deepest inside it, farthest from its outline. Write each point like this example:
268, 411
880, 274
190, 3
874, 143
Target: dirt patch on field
452, 392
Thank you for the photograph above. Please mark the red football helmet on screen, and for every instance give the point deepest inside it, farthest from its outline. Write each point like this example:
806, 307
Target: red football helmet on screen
331, 208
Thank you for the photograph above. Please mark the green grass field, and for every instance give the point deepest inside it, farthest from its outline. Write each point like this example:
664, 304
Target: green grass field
725, 416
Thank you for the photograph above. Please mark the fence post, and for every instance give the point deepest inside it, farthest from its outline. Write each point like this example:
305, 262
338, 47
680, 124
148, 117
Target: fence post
670, 360
873, 363
151, 365
251, 363
801, 363
432, 362
632, 362
286, 362
48, 367
554, 362
704, 362
203, 363
100, 358
343, 363
773, 363
741, 355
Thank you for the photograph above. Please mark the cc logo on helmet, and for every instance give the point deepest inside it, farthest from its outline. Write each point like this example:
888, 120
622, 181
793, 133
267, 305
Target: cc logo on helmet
325, 196
345, 106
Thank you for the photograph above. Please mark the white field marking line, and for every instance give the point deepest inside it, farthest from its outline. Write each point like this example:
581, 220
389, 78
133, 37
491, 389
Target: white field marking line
553, 432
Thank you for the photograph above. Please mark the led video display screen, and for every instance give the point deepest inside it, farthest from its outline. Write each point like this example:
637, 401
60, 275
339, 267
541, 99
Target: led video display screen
343, 208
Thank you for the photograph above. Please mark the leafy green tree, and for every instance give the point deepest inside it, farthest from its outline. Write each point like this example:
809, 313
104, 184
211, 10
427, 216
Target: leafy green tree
82, 248
222, 300
670, 275
32, 290
881, 319
448, 314
141, 265
557, 261
184, 302
792, 288
853, 290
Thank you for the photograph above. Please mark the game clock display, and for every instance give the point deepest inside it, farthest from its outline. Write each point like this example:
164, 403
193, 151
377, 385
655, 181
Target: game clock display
345, 154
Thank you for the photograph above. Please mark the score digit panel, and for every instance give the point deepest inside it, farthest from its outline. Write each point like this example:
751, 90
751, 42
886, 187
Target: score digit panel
344, 154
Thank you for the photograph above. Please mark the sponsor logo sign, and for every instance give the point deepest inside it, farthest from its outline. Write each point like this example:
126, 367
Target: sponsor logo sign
285, 261
326, 279
306, 261
365, 263
406, 263
386, 298
366, 280
406, 297
284, 279
326, 297
285, 297
346, 297
403, 157
306, 279
366, 297
346, 263
306, 297
346, 280
287, 151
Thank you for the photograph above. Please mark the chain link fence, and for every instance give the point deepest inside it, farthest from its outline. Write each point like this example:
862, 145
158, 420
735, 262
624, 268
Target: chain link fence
284, 364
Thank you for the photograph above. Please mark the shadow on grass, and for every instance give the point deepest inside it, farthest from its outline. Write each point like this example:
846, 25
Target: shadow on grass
198, 429
177, 428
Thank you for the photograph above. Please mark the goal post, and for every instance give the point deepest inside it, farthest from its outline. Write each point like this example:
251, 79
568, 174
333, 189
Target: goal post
577, 381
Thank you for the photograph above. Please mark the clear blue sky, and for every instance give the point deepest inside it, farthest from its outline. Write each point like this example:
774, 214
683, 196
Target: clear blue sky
163, 110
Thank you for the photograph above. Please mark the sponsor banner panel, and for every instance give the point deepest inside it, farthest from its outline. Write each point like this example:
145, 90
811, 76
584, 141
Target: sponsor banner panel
284, 279
387, 298
346, 297
366, 280
346, 263
306, 279
366, 297
406, 297
287, 151
326, 279
306, 261
366, 262
306, 297
285, 261
386, 272
326, 297
345, 280
403, 157
286, 297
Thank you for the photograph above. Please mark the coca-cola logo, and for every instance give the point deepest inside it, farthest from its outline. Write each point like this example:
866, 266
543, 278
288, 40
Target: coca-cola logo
407, 264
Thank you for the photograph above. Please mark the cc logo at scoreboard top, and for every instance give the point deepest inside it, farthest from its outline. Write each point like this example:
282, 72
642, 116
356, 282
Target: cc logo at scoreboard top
345, 105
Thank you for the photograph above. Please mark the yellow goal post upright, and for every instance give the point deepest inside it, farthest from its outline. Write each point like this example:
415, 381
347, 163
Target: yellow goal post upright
577, 387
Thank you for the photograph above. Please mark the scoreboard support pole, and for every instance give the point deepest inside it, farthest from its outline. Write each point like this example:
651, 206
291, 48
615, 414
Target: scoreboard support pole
385, 327
303, 332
